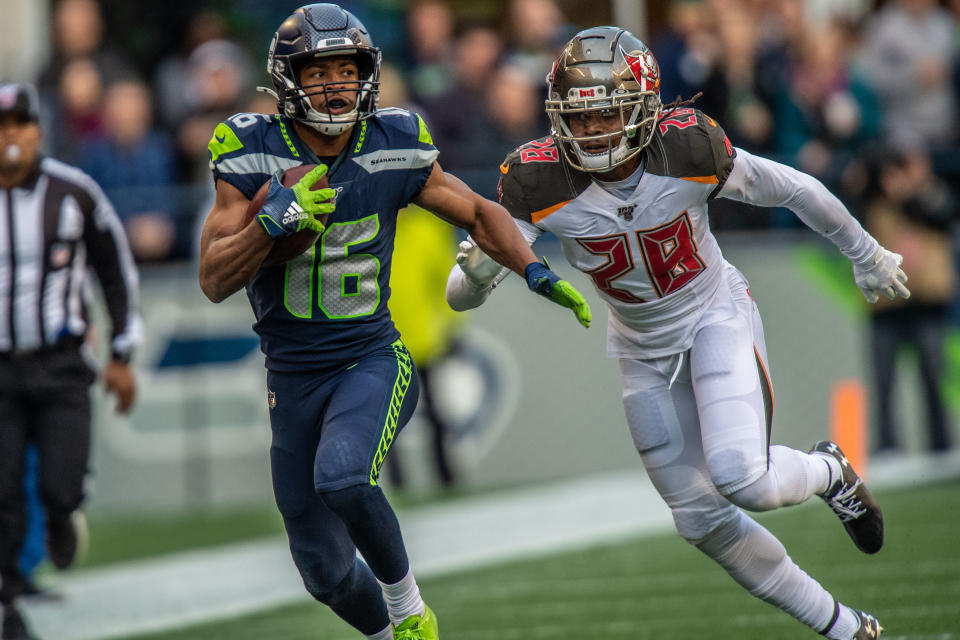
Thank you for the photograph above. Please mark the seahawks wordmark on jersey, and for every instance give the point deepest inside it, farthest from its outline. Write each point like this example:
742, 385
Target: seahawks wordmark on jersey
328, 307
649, 249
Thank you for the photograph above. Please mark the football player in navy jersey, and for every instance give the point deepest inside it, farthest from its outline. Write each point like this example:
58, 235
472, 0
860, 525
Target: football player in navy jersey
624, 183
340, 383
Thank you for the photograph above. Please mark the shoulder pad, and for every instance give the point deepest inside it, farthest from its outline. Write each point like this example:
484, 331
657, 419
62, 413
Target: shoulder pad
689, 144
247, 148
242, 131
402, 125
535, 180
393, 115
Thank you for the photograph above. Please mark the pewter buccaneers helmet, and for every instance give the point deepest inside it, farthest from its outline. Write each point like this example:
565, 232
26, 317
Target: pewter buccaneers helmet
610, 70
315, 31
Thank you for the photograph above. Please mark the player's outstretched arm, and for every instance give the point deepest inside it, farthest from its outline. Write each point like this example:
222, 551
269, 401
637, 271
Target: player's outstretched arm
489, 224
493, 231
763, 182
231, 250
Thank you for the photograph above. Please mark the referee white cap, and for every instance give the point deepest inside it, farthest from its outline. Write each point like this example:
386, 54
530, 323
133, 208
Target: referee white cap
21, 99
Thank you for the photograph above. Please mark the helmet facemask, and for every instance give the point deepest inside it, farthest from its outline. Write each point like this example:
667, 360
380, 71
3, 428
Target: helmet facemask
609, 71
315, 32
637, 111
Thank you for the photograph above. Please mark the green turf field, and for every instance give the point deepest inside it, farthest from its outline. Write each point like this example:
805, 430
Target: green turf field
117, 539
660, 587
132, 537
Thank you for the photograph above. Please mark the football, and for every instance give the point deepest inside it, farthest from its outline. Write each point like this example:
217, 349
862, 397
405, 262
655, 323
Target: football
287, 247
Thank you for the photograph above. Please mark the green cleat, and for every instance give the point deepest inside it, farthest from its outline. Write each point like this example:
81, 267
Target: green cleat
418, 627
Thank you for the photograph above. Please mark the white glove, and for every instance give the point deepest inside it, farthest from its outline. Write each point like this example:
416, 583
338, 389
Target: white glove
881, 274
479, 268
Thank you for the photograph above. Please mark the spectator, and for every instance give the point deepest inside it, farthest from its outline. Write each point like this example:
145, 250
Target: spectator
394, 90
219, 80
826, 112
513, 115
135, 164
913, 212
748, 118
172, 74
77, 108
538, 30
79, 32
459, 117
515, 109
690, 55
780, 32
910, 47
430, 34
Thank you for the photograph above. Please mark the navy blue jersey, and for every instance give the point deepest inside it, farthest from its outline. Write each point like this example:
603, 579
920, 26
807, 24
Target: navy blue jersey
328, 307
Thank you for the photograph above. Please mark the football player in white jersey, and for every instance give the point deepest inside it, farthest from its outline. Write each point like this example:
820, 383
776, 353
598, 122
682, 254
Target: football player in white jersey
624, 183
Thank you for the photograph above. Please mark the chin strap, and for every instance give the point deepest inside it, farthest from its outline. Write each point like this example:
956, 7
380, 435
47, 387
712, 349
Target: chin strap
329, 128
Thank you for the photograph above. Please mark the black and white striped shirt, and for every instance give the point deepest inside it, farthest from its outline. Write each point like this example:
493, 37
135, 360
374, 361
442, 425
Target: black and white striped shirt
55, 228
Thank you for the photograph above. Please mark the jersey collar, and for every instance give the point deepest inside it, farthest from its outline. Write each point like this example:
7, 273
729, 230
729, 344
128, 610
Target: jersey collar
307, 154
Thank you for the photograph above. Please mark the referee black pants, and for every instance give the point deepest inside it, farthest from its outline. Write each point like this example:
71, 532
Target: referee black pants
44, 397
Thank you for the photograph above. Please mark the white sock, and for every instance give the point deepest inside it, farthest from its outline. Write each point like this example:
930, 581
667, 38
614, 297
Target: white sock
385, 634
403, 599
834, 472
846, 625
793, 477
758, 561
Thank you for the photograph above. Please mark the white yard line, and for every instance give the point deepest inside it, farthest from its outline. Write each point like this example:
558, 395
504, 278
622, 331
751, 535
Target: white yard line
196, 586
199, 586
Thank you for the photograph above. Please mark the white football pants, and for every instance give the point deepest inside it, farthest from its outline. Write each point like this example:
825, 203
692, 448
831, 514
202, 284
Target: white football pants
700, 422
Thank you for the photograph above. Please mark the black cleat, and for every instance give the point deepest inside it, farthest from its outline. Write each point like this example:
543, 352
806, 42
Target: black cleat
14, 627
853, 503
66, 539
870, 628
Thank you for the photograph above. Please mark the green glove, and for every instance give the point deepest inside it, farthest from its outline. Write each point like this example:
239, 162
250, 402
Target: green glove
286, 211
548, 284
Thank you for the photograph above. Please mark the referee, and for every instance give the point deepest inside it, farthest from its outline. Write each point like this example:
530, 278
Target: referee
55, 226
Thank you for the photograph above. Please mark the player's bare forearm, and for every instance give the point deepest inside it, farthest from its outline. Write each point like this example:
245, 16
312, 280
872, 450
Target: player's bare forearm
489, 224
494, 232
228, 263
230, 251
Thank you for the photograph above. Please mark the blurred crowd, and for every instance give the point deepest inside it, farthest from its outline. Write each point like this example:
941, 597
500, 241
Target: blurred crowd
847, 91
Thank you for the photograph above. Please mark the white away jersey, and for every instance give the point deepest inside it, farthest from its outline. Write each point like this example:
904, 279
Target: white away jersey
651, 256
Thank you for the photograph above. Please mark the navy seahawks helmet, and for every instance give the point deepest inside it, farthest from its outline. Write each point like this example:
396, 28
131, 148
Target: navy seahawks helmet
314, 31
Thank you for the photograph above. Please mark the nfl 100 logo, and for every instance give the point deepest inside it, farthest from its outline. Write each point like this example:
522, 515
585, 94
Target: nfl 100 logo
626, 212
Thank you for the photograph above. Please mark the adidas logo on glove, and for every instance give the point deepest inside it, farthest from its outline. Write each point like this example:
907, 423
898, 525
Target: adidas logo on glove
293, 213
